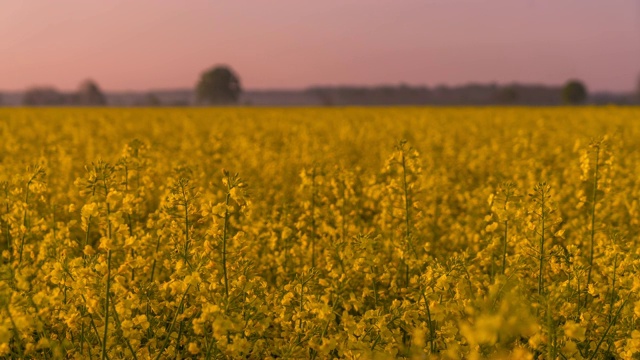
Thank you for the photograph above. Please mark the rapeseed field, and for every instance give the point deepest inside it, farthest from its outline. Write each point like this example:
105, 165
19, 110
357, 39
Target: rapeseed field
378, 233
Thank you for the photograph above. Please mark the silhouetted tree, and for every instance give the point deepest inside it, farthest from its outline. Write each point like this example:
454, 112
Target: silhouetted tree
149, 99
44, 96
574, 92
152, 100
638, 90
219, 85
89, 94
507, 95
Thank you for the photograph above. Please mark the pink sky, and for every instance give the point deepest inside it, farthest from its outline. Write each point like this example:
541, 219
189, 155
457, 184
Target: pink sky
146, 44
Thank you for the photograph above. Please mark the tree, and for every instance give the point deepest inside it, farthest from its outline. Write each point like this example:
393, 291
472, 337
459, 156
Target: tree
149, 99
218, 85
638, 90
507, 94
44, 96
152, 100
89, 94
574, 92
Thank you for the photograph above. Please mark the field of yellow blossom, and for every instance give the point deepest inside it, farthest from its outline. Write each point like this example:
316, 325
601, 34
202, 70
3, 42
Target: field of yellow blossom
379, 233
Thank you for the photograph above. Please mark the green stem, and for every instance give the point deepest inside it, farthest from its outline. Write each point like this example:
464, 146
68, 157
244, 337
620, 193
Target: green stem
129, 221
542, 215
108, 285
86, 239
504, 247
106, 307
126, 340
153, 267
604, 335
186, 226
407, 219
224, 241
593, 216
432, 333
375, 288
8, 236
82, 339
15, 332
93, 325
175, 316
180, 329
24, 220
613, 287
343, 213
210, 346
313, 217
301, 299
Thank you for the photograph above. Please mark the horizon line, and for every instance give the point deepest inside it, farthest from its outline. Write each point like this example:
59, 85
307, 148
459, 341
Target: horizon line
315, 86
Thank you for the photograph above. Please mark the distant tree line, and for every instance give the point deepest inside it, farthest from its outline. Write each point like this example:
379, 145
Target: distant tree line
573, 92
220, 85
88, 94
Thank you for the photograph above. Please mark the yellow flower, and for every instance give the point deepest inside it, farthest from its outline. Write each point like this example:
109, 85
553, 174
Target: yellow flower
491, 227
88, 250
106, 243
142, 321
574, 331
89, 210
4, 349
193, 348
286, 299
126, 326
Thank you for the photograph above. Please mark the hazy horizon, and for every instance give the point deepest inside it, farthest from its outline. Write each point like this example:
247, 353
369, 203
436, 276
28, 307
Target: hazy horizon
287, 44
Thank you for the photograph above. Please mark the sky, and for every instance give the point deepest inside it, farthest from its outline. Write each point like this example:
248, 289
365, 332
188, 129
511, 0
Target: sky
166, 44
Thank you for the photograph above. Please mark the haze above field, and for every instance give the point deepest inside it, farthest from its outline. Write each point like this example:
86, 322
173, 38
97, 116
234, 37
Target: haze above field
147, 44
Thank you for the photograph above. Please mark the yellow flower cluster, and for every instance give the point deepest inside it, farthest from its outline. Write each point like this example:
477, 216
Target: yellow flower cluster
486, 233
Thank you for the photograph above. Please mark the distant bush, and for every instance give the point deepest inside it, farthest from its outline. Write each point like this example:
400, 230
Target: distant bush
152, 99
45, 96
89, 94
507, 95
638, 90
574, 92
218, 86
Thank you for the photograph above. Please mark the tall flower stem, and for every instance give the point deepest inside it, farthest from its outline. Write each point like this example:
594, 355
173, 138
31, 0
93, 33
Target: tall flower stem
593, 215
108, 285
225, 230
